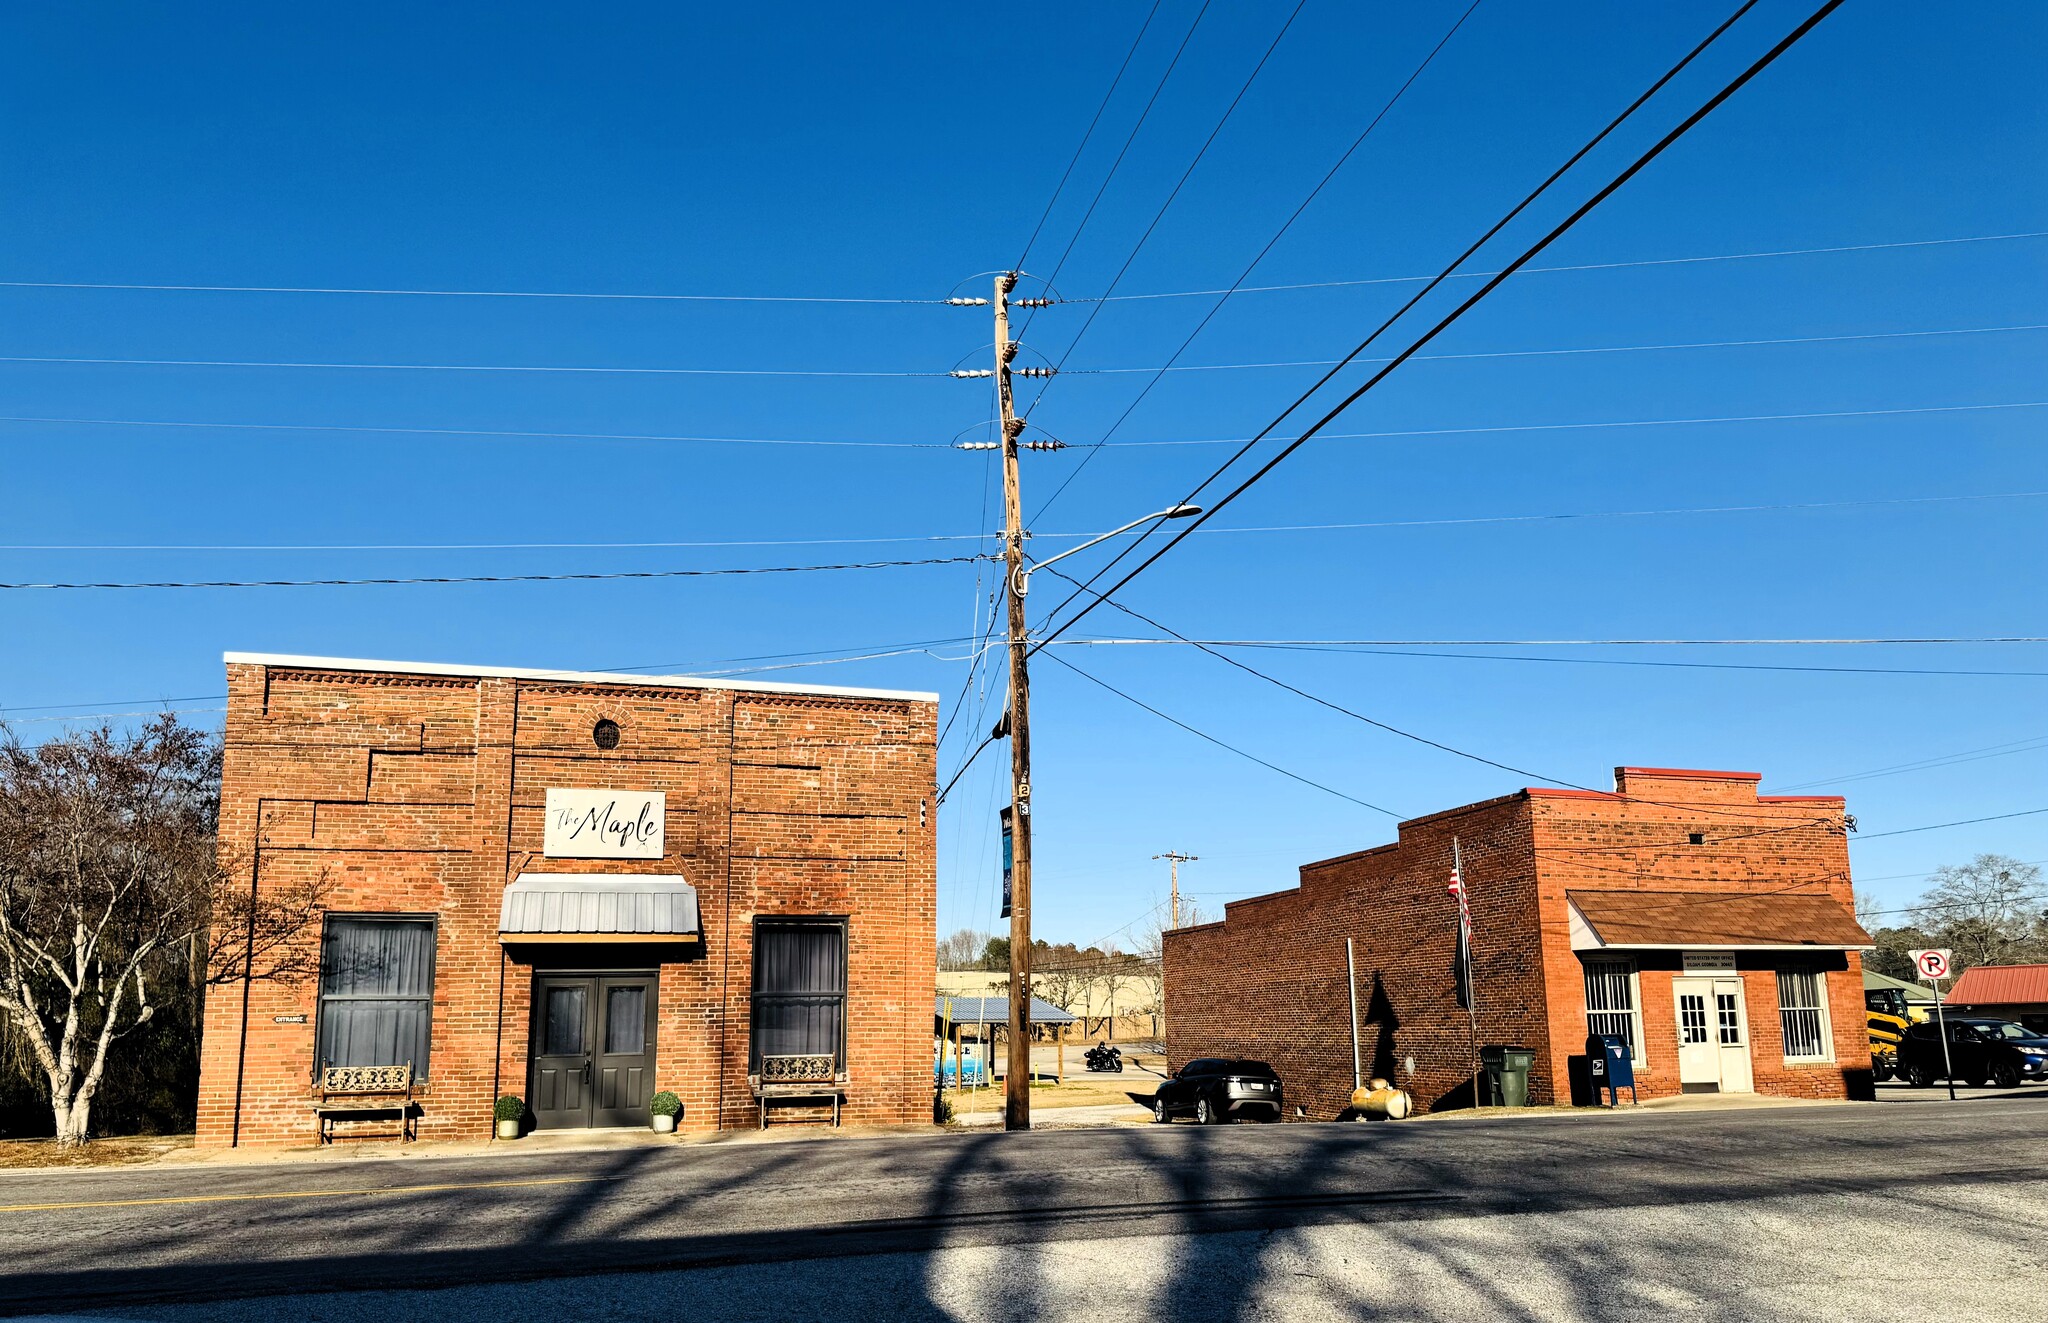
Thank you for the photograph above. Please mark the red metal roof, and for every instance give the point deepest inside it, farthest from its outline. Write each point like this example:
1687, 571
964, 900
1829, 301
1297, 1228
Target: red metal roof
2001, 985
1701, 773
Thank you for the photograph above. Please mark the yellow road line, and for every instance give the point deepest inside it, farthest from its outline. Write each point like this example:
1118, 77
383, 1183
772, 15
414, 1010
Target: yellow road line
299, 1194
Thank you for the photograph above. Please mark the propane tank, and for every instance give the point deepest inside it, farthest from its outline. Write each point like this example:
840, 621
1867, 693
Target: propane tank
1380, 1101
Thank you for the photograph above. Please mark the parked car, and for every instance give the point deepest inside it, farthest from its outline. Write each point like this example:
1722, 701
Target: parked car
1979, 1049
1217, 1089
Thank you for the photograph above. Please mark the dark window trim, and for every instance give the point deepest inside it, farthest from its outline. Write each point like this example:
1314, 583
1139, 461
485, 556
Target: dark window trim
754, 994
320, 998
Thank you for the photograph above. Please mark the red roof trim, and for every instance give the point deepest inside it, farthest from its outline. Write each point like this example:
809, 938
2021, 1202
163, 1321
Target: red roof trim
1694, 772
1800, 799
1546, 792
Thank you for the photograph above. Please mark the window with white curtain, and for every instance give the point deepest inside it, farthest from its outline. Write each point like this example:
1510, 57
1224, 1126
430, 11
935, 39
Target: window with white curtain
1803, 1014
376, 990
1611, 1003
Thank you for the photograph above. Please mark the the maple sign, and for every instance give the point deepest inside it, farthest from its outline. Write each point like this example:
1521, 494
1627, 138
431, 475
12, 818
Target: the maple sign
604, 824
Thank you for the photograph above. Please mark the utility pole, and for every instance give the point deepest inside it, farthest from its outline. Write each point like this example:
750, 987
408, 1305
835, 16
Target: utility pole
1174, 860
1017, 1084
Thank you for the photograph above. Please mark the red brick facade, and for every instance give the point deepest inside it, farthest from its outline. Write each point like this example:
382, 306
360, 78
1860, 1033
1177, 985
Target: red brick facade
1268, 982
420, 791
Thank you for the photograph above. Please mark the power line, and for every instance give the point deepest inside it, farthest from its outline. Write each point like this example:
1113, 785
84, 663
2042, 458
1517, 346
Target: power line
1619, 661
1572, 427
940, 445
481, 431
1587, 266
1096, 308
1082, 146
1360, 716
1450, 522
1413, 300
1117, 164
1294, 776
465, 367
1529, 643
632, 297
1257, 258
2027, 745
1845, 338
1562, 227
460, 293
1937, 826
511, 578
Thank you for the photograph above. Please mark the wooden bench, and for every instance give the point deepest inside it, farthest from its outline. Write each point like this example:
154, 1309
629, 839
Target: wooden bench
794, 1077
344, 1090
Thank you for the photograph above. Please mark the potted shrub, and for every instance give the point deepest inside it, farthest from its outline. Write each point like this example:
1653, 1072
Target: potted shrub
510, 1112
666, 1107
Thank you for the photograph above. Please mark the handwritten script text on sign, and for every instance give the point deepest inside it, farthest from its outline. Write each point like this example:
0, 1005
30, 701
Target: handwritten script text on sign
604, 824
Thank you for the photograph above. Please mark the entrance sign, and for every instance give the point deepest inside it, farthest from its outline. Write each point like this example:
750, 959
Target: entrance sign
1933, 965
1709, 962
605, 824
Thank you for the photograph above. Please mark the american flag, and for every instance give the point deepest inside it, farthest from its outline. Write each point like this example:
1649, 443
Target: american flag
1461, 965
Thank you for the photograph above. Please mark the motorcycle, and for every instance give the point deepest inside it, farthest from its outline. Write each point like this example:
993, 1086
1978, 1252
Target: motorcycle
1104, 1057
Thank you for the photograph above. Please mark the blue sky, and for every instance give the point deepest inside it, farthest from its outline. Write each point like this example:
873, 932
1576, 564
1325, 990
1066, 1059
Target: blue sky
800, 150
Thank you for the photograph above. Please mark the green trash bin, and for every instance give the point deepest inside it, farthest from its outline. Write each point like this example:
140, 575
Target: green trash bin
1506, 1071
1514, 1076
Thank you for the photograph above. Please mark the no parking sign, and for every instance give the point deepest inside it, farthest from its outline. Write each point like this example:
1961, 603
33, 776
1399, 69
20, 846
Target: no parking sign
1933, 965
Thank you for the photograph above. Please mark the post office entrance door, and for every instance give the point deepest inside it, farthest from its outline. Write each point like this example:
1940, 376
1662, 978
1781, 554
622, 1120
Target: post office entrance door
1699, 1055
592, 1048
1731, 1036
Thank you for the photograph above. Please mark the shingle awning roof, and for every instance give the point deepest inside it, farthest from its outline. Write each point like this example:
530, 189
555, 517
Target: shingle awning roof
2001, 985
595, 907
1677, 920
995, 1010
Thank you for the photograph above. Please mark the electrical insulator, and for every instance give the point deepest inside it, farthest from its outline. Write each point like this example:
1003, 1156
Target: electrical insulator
1035, 372
972, 372
1044, 445
1033, 303
968, 303
977, 445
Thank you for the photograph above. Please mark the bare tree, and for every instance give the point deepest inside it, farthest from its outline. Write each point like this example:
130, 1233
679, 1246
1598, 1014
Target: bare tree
1989, 911
962, 950
111, 889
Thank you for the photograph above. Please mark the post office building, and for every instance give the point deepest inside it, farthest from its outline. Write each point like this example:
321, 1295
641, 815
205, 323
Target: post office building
576, 889
1711, 929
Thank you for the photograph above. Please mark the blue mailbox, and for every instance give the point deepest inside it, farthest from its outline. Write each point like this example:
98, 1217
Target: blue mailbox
1611, 1067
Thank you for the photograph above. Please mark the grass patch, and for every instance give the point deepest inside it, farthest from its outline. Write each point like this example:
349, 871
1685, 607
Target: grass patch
114, 1151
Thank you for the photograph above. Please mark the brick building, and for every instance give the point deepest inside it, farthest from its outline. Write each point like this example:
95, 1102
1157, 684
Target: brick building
578, 888
1711, 926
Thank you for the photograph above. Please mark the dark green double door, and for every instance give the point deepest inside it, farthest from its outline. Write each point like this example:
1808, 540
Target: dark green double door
593, 1050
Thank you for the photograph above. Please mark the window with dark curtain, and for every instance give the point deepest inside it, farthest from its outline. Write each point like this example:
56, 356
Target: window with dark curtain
799, 989
376, 991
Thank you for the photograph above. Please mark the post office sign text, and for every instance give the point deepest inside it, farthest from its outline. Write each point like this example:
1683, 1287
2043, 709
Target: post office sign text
604, 824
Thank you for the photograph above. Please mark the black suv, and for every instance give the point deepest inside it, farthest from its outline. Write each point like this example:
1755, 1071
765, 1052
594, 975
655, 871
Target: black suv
1216, 1089
1979, 1049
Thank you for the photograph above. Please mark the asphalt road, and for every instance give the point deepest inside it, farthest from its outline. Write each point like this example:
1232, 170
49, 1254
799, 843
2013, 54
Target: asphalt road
1811, 1212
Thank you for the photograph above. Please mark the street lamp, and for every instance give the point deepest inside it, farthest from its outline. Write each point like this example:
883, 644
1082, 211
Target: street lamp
1024, 573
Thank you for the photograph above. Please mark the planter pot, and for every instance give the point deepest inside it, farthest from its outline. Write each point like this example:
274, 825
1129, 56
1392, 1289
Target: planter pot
508, 1129
664, 1125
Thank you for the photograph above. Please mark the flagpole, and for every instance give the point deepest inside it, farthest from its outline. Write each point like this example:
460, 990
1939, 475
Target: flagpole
1471, 992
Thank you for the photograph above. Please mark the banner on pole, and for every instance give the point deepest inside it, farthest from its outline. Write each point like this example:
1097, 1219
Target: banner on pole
1461, 963
1009, 861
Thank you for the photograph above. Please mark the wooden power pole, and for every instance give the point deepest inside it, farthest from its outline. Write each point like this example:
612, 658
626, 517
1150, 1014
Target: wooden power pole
1017, 1084
1174, 860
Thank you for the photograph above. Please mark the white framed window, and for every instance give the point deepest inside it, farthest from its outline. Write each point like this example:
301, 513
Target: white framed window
1803, 1015
1612, 1006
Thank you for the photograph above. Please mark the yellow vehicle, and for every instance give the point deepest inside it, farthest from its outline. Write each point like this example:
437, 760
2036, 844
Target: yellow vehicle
1885, 1010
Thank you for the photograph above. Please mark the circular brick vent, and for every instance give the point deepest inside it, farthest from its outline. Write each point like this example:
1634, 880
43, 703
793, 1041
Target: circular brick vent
605, 734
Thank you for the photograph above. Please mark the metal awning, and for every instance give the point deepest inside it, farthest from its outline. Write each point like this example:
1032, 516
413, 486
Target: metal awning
1711, 920
595, 907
